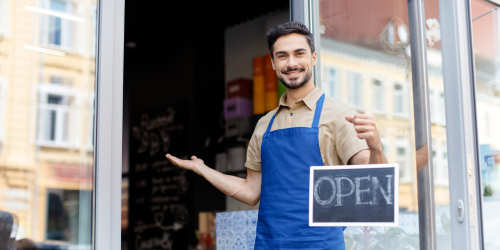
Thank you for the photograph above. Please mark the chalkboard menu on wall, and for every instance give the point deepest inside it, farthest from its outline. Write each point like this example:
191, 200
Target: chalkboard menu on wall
159, 212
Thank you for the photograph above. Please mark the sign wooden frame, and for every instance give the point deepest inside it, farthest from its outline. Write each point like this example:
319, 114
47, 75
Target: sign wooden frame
394, 223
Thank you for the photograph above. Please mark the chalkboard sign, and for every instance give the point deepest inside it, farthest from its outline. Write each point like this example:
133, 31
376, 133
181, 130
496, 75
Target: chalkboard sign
158, 202
355, 195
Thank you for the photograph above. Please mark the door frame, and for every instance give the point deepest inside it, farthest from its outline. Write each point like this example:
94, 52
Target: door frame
106, 209
458, 74
461, 127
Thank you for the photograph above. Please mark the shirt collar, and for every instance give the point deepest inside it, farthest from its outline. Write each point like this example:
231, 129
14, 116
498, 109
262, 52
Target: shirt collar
310, 100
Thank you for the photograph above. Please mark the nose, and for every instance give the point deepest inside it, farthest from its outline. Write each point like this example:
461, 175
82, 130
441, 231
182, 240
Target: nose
292, 62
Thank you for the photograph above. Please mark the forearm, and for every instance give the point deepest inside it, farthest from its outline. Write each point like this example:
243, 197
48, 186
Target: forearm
236, 187
377, 157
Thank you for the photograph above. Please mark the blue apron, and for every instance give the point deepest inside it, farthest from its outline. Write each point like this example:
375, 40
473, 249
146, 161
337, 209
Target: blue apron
283, 222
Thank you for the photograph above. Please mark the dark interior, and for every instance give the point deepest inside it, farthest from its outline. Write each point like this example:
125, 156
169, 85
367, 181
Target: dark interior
174, 52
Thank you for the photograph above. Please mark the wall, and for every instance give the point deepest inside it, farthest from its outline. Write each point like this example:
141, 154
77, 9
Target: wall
245, 41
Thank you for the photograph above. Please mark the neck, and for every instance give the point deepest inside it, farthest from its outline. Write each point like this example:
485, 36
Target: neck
293, 95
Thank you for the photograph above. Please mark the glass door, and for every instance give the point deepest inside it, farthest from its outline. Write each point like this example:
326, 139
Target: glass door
384, 59
486, 50
47, 80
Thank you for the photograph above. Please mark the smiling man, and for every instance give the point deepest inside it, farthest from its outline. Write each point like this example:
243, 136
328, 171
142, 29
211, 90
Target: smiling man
306, 129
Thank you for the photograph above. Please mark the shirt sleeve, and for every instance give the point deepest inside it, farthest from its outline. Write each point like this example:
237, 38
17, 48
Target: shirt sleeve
348, 143
253, 154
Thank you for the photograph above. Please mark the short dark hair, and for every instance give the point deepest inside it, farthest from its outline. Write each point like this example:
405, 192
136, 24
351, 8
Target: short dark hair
286, 29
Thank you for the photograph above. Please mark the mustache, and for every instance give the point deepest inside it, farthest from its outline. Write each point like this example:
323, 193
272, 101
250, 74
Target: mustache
288, 70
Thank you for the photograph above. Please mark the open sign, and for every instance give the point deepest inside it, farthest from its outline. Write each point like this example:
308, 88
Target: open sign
361, 195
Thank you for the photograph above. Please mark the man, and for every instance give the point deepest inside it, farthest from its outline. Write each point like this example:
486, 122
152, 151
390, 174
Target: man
306, 129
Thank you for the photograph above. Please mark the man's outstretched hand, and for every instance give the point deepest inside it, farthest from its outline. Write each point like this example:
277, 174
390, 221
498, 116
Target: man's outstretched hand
194, 164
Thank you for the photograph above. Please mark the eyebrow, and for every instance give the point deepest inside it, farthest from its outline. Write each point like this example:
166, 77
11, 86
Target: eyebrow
284, 52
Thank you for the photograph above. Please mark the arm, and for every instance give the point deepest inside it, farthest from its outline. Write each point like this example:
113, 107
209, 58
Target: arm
245, 190
366, 129
422, 156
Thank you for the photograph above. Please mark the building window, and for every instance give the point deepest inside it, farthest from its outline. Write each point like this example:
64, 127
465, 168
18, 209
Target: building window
432, 107
445, 165
435, 165
378, 96
385, 148
332, 87
4, 18
61, 80
94, 29
65, 216
444, 162
401, 159
398, 99
402, 153
3, 87
60, 29
53, 113
55, 23
442, 114
54, 119
356, 87
91, 122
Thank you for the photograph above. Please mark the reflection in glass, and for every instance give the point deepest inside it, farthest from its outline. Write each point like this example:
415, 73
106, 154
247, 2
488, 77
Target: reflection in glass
47, 72
485, 29
366, 44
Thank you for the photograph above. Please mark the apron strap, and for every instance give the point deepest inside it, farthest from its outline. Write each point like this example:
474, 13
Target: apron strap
317, 112
271, 122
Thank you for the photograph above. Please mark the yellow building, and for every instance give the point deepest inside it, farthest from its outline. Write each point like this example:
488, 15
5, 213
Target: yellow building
47, 71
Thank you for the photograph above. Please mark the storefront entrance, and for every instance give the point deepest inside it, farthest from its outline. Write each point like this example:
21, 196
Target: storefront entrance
93, 94
176, 73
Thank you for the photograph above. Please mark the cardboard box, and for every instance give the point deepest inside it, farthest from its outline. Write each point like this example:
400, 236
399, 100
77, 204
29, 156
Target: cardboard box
240, 88
237, 106
237, 158
221, 162
238, 127
259, 91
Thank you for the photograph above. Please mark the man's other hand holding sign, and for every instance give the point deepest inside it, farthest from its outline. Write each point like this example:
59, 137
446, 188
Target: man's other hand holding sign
366, 129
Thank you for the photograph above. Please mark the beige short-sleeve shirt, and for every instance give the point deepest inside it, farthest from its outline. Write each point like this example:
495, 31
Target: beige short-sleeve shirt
338, 140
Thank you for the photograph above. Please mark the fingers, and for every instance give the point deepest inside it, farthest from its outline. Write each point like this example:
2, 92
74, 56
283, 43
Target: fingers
182, 163
194, 164
349, 118
363, 128
364, 125
367, 136
173, 159
368, 122
360, 119
186, 164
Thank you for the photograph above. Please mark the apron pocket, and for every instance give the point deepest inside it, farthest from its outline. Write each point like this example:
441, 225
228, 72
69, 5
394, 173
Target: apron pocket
289, 244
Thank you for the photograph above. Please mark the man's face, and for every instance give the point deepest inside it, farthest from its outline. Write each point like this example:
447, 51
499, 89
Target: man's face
293, 60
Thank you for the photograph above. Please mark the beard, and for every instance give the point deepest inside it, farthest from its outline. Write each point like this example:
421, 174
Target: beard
296, 83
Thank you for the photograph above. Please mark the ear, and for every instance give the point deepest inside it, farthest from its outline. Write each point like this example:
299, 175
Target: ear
272, 62
314, 58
